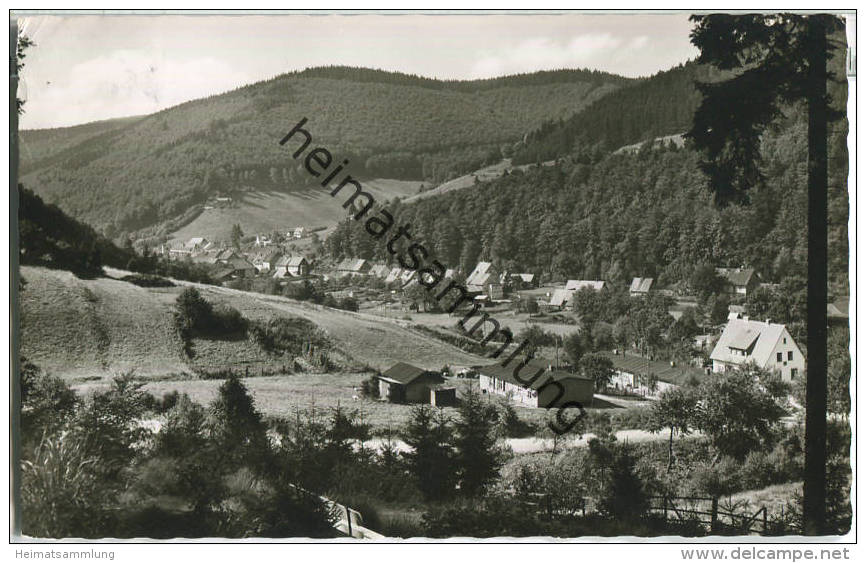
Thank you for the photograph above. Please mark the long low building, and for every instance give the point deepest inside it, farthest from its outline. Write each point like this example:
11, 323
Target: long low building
649, 377
535, 384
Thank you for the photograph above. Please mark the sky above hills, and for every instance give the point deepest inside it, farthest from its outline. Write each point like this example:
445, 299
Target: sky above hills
88, 68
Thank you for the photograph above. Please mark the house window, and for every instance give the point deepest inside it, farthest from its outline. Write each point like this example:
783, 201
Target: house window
793, 373
790, 356
778, 356
785, 340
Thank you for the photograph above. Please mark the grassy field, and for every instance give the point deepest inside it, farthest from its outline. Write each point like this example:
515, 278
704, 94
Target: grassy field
369, 339
283, 396
97, 328
468, 180
508, 318
774, 497
85, 328
262, 212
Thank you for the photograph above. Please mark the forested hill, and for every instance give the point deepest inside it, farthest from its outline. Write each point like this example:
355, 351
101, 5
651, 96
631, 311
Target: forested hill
616, 216
124, 175
661, 105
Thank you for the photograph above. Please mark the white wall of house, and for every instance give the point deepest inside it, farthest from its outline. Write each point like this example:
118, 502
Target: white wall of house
787, 358
517, 393
626, 380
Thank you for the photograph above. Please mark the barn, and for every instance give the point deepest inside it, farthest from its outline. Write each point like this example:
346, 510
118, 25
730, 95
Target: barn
405, 383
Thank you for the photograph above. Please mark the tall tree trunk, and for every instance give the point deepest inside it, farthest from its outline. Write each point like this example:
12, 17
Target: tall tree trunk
814, 489
671, 449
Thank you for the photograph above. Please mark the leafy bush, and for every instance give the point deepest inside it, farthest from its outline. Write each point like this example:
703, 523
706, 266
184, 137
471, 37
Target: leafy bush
370, 387
196, 316
286, 335
227, 320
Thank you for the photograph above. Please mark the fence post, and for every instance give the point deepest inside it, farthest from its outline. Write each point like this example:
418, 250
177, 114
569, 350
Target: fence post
665, 509
714, 514
348, 519
765, 520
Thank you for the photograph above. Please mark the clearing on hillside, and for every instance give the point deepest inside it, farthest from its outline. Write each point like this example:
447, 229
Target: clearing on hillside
263, 212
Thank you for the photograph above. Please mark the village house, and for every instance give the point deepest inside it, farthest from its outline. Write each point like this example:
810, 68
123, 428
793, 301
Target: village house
394, 275
738, 281
406, 276
577, 285
552, 388
353, 267
265, 260
561, 298
207, 256
837, 312
704, 342
405, 383
640, 286
483, 275
768, 345
228, 264
178, 250
380, 271
298, 232
196, 244
649, 378
486, 280
240, 266
523, 281
293, 266
263, 240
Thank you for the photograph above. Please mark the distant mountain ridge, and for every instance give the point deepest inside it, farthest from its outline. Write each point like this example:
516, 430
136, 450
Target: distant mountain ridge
125, 175
655, 107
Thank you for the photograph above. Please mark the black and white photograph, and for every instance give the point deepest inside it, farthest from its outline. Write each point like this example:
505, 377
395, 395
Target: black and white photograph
378, 276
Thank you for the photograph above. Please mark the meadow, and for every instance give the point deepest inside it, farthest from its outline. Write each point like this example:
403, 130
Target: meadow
264, 212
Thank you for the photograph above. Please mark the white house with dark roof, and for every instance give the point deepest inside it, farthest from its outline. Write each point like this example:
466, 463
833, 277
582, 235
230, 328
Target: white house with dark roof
768, 345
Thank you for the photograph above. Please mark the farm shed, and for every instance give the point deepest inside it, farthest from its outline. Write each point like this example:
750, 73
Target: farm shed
407, 383
443, 396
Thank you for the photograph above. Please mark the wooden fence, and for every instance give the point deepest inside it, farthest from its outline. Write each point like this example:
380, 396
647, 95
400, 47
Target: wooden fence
706, 511
347, 520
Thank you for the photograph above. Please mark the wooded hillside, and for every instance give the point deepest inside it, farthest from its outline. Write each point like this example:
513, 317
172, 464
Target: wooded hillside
124, 175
